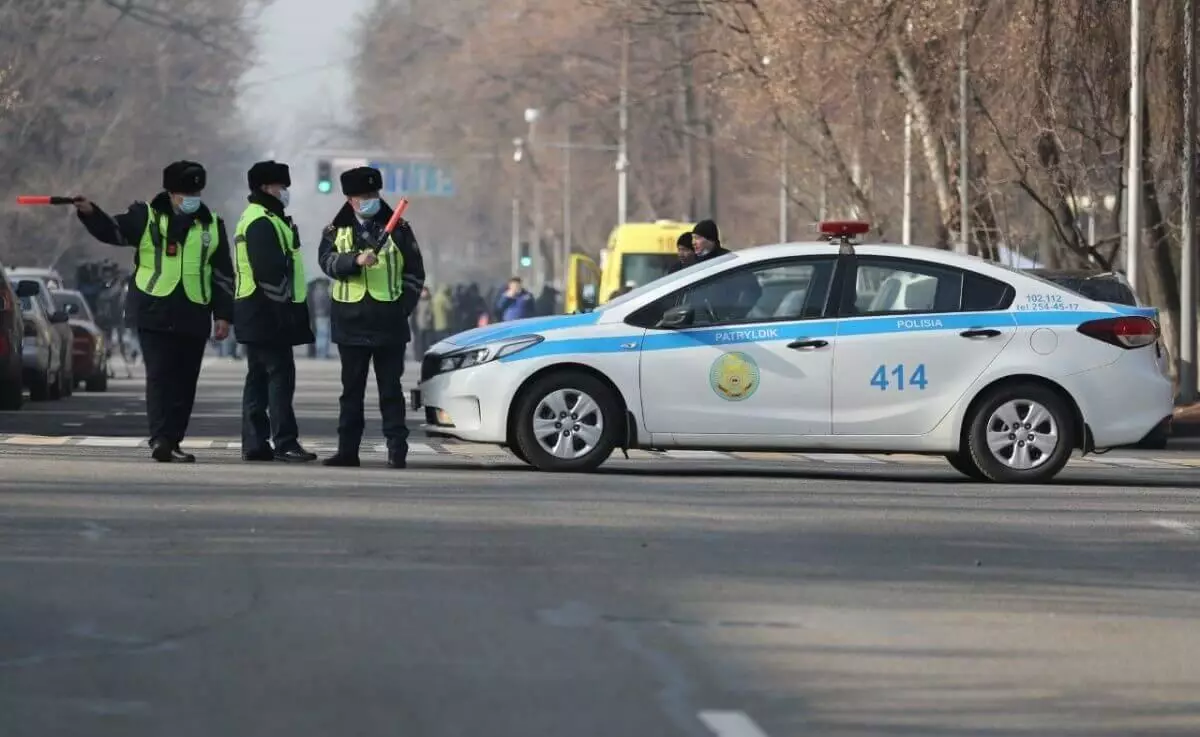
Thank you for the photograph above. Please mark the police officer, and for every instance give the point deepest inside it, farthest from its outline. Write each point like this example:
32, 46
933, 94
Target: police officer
377, 281
270, 316
180, 293
687, 254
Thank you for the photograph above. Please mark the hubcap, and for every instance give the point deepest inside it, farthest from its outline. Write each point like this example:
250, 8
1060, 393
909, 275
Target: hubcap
1022, 434
568, 423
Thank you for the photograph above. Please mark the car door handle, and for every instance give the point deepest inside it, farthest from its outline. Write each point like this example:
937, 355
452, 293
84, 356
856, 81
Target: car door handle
980, 333
802, 343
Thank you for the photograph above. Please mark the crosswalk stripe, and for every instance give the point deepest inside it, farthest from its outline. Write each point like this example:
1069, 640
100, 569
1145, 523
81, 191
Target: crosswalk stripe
37, 440
764, 456
697, 455
112, 442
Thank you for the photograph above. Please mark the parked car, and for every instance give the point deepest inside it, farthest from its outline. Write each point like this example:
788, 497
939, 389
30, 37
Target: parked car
43, 357
49, 277
89, 357
12, 392
60, 323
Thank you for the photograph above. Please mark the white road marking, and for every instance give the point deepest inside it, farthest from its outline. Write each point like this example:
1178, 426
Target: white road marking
1125, 461
72, 424
841, 458
731, 724
113, 442
698, 455
1176, 525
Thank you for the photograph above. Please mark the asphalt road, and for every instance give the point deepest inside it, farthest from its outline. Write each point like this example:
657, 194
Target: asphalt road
661, 596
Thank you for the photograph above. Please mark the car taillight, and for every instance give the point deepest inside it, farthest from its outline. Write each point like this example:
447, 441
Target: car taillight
1123, 332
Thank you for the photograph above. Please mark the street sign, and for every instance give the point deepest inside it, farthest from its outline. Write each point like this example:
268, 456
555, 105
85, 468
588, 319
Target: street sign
418, 178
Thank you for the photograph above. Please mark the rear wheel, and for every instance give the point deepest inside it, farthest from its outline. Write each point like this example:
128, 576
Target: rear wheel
1022, 433
567, 421
12, 395
39, 388
98, 382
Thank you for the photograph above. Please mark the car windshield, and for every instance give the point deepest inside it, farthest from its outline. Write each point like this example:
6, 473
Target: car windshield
643, 268
668, 279
64, 300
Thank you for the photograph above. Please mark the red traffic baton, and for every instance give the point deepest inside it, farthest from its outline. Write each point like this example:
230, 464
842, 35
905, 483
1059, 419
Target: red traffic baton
36, 199
401, 206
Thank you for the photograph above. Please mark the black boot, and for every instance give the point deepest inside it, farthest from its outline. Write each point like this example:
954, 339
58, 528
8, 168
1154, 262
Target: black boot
340, 460
395, 460
295, 455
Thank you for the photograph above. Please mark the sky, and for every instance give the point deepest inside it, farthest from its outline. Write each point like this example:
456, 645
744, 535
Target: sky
300, 86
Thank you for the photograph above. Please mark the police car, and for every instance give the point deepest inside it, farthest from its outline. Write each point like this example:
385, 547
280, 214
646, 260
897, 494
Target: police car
828, 346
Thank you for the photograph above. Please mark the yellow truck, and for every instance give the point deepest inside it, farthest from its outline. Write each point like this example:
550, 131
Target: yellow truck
637, 253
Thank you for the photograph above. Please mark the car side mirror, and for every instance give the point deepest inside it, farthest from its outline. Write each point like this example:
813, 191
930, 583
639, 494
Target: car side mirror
28, 289
677, 317
59, 317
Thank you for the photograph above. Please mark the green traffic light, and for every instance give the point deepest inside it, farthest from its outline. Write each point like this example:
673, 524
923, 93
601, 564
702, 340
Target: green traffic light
526, 261
325, 186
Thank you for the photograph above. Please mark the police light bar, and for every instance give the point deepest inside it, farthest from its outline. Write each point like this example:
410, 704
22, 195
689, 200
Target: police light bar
844, 228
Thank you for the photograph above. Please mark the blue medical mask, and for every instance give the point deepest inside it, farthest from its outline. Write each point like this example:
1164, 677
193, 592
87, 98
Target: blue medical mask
285, 197
189, 205
368, 208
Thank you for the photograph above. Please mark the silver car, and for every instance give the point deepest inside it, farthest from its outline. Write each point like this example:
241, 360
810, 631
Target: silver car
43, 357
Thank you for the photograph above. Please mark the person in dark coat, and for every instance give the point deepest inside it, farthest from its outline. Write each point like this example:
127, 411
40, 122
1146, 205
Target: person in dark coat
181, 292
377, 280
723, 299
270, 312
687, 254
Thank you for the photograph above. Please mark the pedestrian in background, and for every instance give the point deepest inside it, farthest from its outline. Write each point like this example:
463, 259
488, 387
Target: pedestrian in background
515, 303
270, 316
442, 309
687, 253
377, 281
422, 325
181, 293
318, 308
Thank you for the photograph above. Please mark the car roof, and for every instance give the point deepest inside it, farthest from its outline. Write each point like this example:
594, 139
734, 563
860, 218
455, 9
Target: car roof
892, 250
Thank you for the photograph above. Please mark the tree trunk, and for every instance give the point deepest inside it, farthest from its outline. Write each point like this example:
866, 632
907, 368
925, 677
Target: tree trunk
1161, 277
687, 111
905, 68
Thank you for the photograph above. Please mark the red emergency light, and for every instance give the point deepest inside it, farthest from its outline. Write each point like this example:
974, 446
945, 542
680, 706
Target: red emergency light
844, 228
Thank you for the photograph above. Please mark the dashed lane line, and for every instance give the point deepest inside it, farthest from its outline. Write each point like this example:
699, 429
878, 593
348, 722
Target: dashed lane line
731, 724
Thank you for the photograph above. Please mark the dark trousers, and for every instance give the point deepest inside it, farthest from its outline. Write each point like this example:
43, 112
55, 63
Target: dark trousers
267, 414
389, 366
172, 370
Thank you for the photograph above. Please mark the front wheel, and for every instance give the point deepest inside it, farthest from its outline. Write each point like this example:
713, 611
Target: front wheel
962, 463
567, 421
1022, 433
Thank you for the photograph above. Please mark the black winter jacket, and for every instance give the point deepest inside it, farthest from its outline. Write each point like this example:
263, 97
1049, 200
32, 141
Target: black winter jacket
174, 313
269, 316
369, 322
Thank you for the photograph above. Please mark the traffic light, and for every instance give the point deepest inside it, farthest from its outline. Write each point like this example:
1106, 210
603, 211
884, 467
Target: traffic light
526, 259
324, 177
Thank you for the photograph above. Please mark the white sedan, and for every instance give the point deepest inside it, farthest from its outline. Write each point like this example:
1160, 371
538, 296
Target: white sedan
826, 347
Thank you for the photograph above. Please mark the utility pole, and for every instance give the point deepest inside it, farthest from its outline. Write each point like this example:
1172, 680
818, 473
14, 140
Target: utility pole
963, 144
565, 257
623, 141
783, 186
535, 240
906, 225
1133, 172
1187, 165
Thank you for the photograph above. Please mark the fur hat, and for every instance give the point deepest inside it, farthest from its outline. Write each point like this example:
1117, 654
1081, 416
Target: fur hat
184, 177
360, 181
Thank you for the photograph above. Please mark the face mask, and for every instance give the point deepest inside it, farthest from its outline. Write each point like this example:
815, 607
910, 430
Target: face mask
189, 205
285, 197
368, 208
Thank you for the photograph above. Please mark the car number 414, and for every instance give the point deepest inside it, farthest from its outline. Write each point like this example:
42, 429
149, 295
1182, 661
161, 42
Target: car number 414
901, 378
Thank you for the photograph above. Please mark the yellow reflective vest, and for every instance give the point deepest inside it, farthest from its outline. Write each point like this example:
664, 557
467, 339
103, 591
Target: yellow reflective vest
287, 241
383, 281
162, 265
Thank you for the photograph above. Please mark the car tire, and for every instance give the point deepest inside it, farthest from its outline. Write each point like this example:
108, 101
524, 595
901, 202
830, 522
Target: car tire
518, 453
39, 388
1014, 459
566, 389
12, 395
97, 382
962, 463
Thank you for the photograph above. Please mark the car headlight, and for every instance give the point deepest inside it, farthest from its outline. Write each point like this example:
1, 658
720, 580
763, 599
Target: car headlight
477, 355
